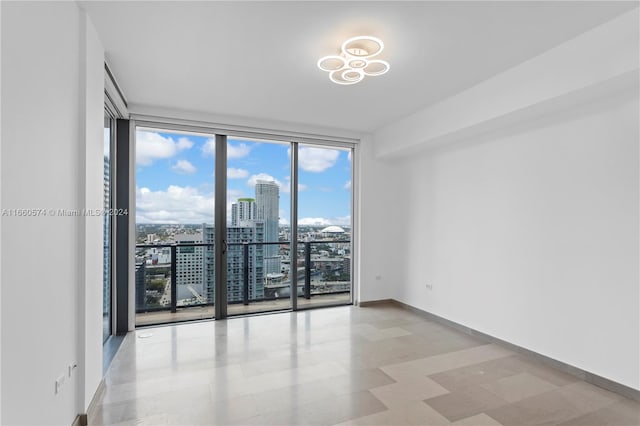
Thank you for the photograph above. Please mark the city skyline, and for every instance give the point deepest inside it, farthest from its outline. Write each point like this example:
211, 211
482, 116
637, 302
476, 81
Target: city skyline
175, 178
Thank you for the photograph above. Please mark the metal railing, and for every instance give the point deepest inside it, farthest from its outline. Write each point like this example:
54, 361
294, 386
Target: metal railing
246, 300
174, 273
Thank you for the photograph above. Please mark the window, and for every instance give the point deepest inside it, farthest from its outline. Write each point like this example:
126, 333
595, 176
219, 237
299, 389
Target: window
227, 212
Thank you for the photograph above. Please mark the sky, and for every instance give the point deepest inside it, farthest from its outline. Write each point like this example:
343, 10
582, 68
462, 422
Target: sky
175, 178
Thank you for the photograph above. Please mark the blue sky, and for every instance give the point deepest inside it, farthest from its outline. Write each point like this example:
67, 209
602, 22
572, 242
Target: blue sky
175, 178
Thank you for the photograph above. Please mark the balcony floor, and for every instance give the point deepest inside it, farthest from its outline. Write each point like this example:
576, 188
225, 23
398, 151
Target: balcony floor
207, 312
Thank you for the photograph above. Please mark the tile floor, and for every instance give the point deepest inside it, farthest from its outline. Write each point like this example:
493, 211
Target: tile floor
378, 365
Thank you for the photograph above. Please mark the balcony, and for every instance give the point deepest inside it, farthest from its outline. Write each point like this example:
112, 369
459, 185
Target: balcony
175, 282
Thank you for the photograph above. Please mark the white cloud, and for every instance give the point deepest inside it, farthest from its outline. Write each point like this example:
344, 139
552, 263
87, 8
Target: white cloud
151, 146
184, 167
316, 160
347, 185
317, 221
233, 173
190, 205
233, 151
323, 221
175, 205
260, 176
342, 220
209, 147
107, 142
238, 151
180, 205
349, 156
184, 143
263, 176
301, 186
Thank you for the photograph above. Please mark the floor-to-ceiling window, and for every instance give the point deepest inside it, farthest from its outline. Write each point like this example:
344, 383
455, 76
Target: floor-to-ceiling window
174, 262
258, 210
106, 230
324, 225
179, 247
114, 303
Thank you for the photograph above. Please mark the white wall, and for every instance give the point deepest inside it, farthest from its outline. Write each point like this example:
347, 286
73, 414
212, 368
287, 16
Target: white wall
527, 228
381, 209
533, 238
90, 312
47, 113
0, 219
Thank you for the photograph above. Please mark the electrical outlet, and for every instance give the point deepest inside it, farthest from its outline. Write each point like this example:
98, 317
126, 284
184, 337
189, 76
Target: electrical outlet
59, 383
429, 286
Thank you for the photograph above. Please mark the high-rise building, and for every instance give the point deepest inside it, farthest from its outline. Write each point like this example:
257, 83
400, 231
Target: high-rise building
189, 266
141, 290
196, 265
243, 211
251, 232
106, 238
346, 266
268, 211
208, 263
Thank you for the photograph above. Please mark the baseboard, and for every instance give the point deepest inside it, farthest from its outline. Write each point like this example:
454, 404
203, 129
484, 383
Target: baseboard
80, 420
375, 302
581, 374
93, 406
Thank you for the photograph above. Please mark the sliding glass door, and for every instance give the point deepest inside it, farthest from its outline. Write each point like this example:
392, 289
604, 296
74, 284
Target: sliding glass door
214, 231
324, 226
175, 229
106, 230
258, 206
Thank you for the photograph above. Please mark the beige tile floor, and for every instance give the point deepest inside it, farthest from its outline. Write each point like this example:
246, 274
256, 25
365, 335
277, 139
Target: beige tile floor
346, 365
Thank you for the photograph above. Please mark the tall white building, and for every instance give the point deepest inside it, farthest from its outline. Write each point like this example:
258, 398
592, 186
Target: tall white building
251, 232
106, 236
268, 210
208, 263
243, 212
189, 265
196, 265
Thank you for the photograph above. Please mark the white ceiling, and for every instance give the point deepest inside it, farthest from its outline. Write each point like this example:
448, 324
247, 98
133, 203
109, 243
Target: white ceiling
258, 59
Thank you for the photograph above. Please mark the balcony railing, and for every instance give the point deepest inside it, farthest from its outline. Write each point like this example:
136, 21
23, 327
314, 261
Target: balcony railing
159, 291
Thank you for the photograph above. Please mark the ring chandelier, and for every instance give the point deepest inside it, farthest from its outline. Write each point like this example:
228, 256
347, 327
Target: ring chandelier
355, 61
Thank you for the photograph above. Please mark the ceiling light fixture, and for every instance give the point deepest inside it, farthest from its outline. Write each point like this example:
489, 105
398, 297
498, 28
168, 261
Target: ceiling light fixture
354, 61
